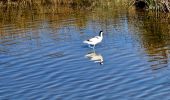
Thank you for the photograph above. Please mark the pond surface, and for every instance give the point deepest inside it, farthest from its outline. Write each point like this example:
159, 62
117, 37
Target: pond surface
42, 55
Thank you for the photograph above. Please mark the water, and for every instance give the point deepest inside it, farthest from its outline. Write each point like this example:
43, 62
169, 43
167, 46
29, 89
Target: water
42, 56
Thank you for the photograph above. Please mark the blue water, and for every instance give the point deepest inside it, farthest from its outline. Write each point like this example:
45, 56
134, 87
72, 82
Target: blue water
49, 62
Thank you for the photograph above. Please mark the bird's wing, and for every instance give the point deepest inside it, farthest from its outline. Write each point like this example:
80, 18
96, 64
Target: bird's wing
96, 38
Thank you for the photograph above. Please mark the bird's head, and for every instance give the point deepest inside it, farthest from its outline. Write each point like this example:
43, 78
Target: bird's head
100, 33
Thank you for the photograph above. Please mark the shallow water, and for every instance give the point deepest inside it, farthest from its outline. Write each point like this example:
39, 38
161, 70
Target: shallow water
42, 56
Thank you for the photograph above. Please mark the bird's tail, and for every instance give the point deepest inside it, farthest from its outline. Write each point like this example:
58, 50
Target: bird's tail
86, 41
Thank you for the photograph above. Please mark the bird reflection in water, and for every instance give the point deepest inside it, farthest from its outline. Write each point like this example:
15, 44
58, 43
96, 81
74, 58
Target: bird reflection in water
93, 56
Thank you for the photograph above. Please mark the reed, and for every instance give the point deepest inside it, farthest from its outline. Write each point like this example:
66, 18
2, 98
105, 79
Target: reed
32, 3
157, 5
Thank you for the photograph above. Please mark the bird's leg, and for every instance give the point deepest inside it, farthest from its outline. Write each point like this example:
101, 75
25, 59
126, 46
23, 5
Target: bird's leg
93, 50
90, 46
93, 46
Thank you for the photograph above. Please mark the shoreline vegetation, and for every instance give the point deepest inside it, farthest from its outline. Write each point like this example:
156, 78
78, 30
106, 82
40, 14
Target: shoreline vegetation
156, 5
33, 4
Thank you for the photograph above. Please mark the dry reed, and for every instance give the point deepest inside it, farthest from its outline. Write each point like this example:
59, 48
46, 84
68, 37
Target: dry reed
157, 5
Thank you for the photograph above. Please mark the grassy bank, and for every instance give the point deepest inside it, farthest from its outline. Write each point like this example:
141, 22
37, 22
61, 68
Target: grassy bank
157, 5
36, 3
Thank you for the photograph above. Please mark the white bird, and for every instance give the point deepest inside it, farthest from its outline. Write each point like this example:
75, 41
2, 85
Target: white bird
93, 56
95, 40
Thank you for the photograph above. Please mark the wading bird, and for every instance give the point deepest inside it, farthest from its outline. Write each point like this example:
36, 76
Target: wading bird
95, 40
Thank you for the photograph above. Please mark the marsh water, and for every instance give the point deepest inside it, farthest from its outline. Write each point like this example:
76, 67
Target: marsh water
42, 55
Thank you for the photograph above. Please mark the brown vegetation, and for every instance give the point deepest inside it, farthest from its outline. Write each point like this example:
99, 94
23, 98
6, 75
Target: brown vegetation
157, 5
34, 3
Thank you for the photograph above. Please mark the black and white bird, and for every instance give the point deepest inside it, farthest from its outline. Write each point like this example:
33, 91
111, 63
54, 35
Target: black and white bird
95, 40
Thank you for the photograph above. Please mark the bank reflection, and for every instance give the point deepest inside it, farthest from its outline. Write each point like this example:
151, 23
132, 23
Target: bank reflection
154, 34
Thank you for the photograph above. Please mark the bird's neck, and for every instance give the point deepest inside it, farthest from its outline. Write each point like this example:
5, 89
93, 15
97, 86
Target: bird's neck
101, 35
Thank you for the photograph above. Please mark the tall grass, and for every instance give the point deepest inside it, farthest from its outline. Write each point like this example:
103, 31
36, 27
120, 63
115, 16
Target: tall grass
32, 3
157, 5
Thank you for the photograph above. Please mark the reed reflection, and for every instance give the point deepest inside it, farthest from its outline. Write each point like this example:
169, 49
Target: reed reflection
95, 57
154, 36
